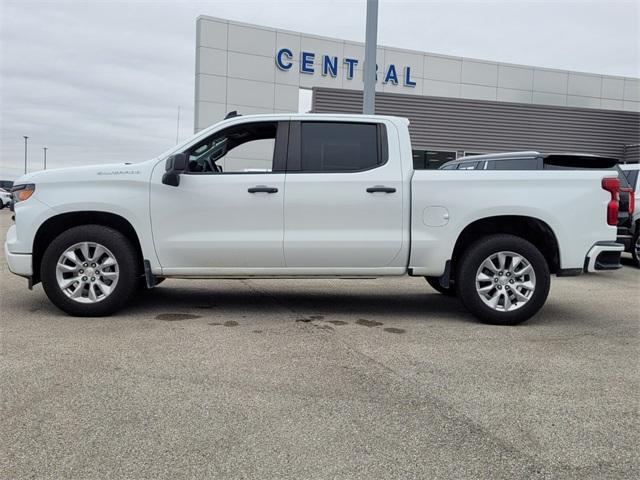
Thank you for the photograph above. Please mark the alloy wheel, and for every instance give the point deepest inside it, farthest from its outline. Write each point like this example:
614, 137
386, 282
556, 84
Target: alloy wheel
505, 281
87, 272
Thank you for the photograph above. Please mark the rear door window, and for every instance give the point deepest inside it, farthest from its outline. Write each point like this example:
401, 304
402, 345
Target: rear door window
335, 147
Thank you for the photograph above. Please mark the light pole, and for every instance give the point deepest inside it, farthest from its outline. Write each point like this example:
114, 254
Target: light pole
25, 152
45, 157
178, 126
371, 36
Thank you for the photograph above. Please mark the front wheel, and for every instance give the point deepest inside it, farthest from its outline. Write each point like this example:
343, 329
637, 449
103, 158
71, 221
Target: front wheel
503, 279
89, 271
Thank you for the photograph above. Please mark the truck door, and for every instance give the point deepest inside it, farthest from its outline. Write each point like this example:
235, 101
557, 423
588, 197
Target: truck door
227, 211
343, 202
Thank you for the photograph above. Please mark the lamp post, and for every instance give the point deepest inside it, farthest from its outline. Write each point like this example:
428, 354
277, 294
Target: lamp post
371, 38
178, 126
45, 157
25, 152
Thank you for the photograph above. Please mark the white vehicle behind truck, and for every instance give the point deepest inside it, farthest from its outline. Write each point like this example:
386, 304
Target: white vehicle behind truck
305, 195
5, 198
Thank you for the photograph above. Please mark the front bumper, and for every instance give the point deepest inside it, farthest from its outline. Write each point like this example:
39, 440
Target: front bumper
603, 256
19, 263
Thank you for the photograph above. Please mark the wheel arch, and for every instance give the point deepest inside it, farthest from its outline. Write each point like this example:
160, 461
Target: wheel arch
57, 224
534, 230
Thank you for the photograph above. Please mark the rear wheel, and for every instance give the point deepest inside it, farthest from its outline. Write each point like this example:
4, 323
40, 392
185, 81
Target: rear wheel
434, 282
503, 279
89, 271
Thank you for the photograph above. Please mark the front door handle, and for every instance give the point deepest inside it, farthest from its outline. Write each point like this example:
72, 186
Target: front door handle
262, 189
381, 188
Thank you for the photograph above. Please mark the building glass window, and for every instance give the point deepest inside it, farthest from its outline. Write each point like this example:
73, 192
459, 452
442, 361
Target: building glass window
431, 159
418, 160
435, 159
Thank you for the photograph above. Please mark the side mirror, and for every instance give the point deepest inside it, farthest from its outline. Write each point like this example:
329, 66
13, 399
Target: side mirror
175, 165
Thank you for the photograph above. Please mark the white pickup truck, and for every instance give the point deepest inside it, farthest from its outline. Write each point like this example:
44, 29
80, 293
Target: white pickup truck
309, 196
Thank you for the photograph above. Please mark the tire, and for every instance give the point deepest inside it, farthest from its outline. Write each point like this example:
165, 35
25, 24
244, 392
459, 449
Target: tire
434, 282
90, 292
521, 291
635, 246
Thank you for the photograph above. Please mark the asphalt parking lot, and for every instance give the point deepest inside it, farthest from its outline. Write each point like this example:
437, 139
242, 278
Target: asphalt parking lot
371, 379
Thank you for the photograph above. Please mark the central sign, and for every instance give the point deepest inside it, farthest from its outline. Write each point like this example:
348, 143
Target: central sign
329, 67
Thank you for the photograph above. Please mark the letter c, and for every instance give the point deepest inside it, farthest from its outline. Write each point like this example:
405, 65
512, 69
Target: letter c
284, 65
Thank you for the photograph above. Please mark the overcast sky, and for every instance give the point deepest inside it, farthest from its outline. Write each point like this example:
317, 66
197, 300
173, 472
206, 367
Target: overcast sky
101, 81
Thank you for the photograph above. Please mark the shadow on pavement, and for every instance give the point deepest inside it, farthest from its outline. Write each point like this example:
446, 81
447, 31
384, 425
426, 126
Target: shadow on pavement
418, 306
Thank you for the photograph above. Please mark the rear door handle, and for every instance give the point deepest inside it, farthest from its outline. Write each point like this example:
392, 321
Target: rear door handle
262, 189
381, 188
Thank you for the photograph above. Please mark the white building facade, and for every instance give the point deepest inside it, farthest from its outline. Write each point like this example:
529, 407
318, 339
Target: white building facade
257, 69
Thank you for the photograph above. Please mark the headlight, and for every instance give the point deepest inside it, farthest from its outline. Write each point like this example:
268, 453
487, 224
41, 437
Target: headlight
20, 193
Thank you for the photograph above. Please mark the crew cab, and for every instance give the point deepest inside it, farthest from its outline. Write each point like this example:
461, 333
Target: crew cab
308, 196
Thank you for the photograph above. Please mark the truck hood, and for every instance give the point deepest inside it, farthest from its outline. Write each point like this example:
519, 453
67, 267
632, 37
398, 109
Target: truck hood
109, 171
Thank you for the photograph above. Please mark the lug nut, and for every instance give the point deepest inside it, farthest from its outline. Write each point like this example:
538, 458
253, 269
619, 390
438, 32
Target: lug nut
508, 274
93, 279
93, 265
85, 264
500, 273
499, 287
81, 271
511, 281
84, 279
495, 279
